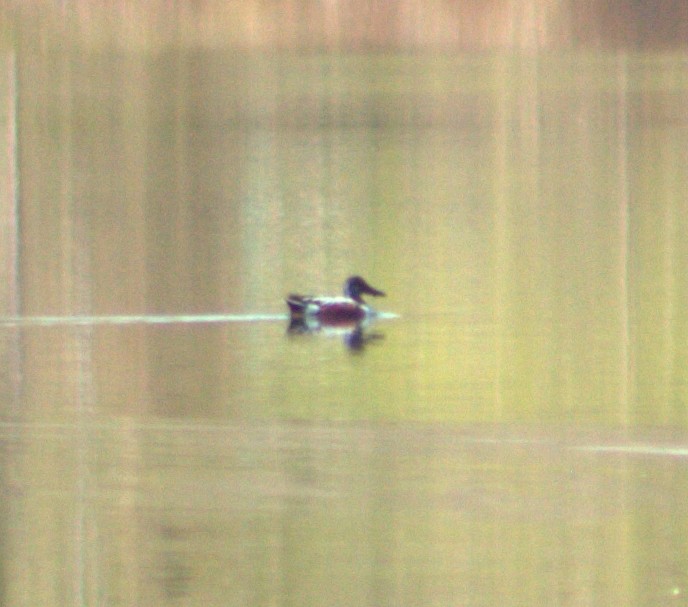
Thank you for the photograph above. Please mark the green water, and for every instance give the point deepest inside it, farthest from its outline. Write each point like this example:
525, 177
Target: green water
513, 432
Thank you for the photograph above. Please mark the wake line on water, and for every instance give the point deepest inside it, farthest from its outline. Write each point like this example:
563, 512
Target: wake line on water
146, 319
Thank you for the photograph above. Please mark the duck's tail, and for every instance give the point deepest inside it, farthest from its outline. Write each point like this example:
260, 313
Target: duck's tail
297, 304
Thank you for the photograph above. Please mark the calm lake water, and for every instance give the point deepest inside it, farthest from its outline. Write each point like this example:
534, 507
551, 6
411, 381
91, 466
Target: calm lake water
513, 431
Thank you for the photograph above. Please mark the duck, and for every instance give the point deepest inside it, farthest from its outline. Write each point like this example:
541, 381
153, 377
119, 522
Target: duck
346, 309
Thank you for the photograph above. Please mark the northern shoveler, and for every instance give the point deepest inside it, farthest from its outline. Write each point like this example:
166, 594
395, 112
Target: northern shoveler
335, 310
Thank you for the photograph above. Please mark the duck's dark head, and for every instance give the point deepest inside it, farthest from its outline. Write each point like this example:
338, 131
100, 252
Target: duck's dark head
355, 286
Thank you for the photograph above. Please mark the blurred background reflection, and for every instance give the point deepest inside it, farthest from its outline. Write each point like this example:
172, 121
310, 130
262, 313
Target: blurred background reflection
512, 175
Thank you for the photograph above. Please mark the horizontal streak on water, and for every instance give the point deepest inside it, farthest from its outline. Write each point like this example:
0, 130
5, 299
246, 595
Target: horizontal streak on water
628, 449
71, 321
60, 321
635, 449
642, 449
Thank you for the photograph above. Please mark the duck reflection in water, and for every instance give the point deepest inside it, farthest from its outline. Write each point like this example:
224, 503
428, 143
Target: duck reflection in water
347, 315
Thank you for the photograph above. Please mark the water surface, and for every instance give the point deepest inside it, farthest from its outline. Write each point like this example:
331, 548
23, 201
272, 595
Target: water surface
513, 432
